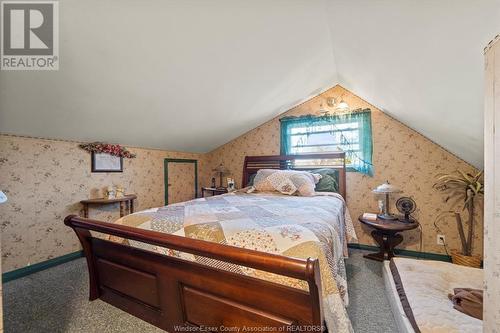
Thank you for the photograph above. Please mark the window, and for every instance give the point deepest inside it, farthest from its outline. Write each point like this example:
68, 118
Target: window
350, 133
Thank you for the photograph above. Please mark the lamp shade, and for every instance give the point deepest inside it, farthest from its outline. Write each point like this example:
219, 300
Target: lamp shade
386, 188
343, 106
221, 169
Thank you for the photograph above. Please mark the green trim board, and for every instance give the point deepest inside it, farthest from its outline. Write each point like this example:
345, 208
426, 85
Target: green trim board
18, 273
408, 253
180, 160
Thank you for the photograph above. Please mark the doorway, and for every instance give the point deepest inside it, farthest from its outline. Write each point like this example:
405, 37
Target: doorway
181, 180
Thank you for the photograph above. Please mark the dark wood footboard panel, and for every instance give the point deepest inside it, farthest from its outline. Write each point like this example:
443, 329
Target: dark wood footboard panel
173, 293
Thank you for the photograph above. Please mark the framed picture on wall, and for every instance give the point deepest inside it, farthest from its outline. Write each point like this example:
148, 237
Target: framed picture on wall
102, 162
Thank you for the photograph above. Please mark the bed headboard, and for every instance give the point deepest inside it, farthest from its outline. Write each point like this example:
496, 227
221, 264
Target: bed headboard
283, 162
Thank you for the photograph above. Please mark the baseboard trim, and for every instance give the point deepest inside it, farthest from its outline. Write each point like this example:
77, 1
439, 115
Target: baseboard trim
18, 273
408, 253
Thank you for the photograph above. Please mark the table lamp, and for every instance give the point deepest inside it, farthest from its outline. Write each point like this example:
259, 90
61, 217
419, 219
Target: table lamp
221, 170
386, 189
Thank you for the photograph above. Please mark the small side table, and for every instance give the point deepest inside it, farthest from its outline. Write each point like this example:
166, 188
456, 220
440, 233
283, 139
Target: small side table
127, 200
213, 190
386, 234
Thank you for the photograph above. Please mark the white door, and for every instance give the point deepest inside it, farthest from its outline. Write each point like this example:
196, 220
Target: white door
491, 316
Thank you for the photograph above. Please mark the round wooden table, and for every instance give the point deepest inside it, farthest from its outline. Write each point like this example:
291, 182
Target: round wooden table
386, 234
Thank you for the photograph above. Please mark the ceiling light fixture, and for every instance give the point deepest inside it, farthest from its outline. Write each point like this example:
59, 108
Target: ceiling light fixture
342, 106
331, 102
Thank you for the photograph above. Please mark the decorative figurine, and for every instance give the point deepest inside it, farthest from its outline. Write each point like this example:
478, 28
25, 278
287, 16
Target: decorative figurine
230, 184
381, 207
120, 191
110, 192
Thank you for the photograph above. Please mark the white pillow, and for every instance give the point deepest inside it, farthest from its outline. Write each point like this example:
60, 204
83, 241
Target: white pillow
286, 181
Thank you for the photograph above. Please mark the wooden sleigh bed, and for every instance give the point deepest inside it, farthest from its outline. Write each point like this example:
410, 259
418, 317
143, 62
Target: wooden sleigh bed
180, 295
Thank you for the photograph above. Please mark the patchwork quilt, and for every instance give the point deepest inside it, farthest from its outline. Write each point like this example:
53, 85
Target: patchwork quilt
300, 227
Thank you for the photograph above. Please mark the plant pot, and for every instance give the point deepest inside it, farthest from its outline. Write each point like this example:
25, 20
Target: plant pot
471, 261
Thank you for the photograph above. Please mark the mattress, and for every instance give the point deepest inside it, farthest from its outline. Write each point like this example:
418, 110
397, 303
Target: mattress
426, 287
302, 227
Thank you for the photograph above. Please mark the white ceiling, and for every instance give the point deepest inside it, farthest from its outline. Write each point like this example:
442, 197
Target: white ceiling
192, 75
419, 61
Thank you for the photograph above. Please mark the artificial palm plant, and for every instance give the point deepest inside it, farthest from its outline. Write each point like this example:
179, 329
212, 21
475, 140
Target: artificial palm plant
462, 189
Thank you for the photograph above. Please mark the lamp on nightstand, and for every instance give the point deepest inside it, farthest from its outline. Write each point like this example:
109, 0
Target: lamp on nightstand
386, 189
221, 170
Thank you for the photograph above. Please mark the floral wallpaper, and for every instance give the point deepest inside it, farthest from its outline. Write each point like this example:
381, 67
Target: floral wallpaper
401, 155
45, 181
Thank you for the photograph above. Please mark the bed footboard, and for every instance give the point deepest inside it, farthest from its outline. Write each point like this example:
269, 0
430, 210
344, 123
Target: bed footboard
179, 295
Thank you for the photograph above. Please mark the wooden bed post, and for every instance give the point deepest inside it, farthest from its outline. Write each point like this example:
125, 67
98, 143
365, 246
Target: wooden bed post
314, 282
343, 182
84, 236
244, 181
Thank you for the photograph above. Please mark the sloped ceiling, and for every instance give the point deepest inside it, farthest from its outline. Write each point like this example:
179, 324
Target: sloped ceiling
192, 75
178, 75
419, 61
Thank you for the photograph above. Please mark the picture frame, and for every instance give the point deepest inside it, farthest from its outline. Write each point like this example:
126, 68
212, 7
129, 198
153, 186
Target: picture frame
102, 162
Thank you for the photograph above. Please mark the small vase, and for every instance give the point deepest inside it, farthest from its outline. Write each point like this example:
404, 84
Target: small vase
471, 261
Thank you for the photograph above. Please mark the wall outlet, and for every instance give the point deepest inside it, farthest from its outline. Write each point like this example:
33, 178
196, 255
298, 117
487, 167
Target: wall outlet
441, 239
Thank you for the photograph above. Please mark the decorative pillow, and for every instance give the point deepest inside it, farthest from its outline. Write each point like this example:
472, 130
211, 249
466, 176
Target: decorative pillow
286, 181
304, 185
281, 183
251, 179
260, 181
329, 180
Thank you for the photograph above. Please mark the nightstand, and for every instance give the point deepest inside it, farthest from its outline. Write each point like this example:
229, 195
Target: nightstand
386, 234
213, 190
